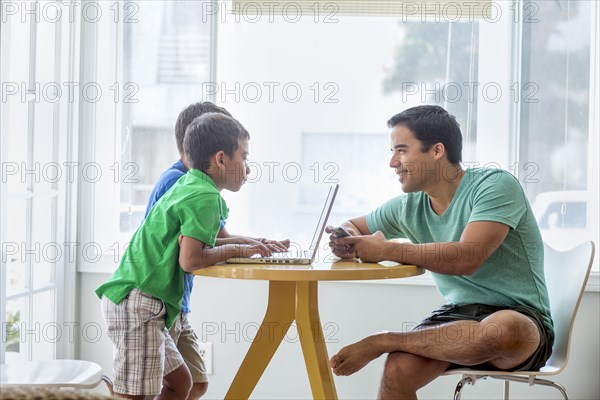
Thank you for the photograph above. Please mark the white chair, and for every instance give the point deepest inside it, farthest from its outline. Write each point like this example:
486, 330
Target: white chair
566, 273
53, 373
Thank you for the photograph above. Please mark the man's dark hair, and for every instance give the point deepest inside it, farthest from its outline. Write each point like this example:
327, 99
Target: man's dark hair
207, 135
431, 125
190, 113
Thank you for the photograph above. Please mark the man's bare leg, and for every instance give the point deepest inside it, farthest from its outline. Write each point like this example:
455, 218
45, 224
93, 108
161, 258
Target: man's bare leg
406, 373
505, 339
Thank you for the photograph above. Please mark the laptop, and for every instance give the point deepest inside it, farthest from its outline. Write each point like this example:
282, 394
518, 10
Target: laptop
296, 257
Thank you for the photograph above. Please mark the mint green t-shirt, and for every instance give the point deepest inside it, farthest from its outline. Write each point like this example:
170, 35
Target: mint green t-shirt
513, 275
192, 207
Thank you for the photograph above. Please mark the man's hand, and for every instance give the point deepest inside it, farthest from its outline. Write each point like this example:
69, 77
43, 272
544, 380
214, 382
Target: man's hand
340, 250
369, 248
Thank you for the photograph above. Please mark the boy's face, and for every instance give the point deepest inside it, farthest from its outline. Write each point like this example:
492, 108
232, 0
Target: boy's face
235, 170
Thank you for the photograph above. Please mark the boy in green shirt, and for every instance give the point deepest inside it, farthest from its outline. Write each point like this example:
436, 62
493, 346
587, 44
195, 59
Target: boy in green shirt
143, 296
181, 331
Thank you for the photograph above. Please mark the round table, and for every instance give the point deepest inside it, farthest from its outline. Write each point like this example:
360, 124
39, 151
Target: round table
293, 296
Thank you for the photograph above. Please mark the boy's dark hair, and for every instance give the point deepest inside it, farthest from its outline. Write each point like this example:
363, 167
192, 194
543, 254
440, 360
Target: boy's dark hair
190, 113
209, 134
431, 125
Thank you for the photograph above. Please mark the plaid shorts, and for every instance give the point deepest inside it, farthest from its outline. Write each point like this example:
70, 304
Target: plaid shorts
143, 350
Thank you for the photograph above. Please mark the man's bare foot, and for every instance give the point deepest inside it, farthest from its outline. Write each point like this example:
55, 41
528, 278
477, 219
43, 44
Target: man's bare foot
354, 357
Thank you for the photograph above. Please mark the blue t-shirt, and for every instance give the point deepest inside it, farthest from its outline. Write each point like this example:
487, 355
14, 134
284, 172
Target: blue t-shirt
166, 180
164, 183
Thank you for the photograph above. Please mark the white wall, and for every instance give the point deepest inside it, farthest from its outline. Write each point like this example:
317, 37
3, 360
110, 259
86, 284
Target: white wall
225, 312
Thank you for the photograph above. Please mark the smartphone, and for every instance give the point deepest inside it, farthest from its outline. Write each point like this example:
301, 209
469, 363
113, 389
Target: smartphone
339, 232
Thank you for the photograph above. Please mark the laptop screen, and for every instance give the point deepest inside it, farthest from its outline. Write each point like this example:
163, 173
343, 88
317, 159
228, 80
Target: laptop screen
323, 218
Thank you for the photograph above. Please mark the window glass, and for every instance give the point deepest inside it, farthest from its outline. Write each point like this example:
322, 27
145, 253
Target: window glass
16, 323
315, 94
167, 58
316, 98
555, 134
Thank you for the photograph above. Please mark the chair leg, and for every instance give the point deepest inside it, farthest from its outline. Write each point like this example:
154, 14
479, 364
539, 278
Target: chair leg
471, 379
109, 384
460, 385
536, 381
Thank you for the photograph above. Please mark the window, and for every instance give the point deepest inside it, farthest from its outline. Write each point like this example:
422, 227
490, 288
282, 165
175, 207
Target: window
38, 249
316, 99
168, 59
155, 61
555, 132
316, 90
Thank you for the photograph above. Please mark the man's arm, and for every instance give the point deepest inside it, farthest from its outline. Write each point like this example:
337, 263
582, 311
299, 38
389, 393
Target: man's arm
477, 243
193, 254
357, 226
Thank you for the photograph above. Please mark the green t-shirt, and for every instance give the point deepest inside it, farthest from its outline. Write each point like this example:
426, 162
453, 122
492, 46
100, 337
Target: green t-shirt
192, 207
513, 275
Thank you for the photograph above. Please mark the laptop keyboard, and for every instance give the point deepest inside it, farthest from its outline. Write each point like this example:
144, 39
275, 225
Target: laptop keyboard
291, 254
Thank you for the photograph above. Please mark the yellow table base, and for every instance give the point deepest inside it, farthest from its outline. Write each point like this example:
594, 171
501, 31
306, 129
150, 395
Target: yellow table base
293, 296
288, 301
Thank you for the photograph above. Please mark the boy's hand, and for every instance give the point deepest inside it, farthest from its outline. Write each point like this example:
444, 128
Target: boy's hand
248, 250
276, 245
193, 254
272, 245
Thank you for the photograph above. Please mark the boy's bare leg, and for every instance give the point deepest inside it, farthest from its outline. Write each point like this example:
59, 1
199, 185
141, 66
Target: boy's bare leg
406, 373
176, 385
505, 339
198, 390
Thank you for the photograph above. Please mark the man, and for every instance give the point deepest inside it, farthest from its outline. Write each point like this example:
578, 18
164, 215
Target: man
475, 231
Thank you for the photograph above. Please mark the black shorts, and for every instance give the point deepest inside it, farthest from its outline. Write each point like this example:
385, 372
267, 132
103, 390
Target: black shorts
477, 312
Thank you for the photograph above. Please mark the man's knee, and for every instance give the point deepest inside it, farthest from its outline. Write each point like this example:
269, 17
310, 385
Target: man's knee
398, 367
406, 373
509, 331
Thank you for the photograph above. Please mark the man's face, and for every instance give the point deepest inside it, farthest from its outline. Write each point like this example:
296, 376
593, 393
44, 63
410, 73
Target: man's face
236, 168
413, 167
